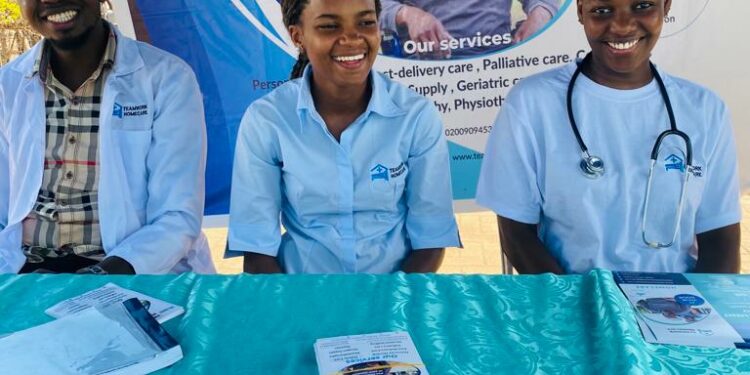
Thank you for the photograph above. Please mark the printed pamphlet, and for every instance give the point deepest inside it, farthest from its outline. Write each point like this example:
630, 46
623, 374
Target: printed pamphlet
670, 310
389, 353
730, 295
110, 294
117, 339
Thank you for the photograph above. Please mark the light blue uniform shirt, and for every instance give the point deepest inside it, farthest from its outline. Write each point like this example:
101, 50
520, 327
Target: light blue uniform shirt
360, 205
531, 173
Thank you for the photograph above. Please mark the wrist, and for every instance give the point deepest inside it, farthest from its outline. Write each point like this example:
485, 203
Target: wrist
542, 13
402, 15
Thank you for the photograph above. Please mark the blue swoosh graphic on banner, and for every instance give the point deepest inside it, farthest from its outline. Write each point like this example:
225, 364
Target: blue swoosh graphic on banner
227, 54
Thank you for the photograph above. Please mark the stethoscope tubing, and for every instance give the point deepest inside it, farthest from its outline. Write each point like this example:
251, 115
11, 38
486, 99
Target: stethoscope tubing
585, 163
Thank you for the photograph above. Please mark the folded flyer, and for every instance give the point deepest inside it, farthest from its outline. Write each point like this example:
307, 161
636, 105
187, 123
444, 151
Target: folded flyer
371, 354
670, 310
118, 339
110, 294
730, 294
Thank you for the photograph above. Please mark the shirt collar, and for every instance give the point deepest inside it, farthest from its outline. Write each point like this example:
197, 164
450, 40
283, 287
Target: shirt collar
41, 63
380, 100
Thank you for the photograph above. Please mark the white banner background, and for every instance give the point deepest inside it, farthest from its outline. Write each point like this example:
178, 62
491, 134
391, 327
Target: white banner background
702, 40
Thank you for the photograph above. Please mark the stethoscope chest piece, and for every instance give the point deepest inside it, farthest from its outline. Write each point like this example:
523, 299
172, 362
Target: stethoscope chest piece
592, 166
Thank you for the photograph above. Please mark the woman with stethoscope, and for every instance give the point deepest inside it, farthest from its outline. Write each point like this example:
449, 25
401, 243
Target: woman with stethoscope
609, 162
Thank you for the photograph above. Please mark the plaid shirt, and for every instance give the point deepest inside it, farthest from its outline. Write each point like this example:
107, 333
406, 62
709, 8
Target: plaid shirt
66, 210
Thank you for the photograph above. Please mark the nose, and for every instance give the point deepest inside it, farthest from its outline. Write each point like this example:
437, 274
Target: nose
623, 23
350, 36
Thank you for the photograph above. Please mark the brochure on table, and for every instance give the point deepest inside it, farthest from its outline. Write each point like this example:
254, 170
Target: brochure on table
371, 354
110, 294
730, 295
121, 339
670, 310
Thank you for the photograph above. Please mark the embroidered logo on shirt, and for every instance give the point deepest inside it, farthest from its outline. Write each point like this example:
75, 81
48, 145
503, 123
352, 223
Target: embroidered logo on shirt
129, 110
381, 172
117, 111
674, 162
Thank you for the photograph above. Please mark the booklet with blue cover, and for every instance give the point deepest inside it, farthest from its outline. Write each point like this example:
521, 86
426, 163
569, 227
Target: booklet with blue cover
118, 339
671, 310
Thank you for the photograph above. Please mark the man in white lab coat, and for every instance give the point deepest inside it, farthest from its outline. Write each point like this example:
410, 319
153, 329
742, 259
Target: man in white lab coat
102, 151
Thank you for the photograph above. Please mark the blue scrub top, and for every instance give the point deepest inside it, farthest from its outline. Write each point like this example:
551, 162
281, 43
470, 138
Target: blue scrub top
358, 205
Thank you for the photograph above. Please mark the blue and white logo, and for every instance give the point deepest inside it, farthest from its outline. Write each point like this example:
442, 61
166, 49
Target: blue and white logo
674, 162
379, 172
117, 111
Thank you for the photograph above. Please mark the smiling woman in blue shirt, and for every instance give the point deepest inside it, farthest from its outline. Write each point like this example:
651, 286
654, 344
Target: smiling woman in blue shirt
354, 165
615, 164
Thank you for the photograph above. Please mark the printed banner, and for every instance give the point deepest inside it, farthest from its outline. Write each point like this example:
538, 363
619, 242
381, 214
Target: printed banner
476, 51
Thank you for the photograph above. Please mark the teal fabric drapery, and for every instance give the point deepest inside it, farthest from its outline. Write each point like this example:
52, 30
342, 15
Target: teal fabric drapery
242, 324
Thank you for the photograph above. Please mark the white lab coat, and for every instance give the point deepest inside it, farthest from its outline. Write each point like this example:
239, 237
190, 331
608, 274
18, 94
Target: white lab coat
151, 183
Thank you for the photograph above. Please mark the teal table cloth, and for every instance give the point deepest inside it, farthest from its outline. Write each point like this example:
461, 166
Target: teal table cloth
248, 324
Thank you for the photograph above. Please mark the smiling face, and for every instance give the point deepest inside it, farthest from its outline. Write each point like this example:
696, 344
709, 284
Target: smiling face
67, 24
341, 39
622, 34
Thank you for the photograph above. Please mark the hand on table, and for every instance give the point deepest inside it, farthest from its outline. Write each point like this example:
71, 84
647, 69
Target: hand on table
111, 265
43, 270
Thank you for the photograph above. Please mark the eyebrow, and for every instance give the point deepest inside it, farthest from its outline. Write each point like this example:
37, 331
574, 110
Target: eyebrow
336, 16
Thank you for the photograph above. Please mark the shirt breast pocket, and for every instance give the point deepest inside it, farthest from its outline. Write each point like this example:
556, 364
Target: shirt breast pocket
385, 194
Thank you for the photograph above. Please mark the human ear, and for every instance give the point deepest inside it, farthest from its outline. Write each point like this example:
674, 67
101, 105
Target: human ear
667, 6
295, 32
579, 6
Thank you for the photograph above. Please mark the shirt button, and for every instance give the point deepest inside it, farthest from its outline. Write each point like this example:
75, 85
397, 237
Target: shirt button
76, 100
69, 175
72, 140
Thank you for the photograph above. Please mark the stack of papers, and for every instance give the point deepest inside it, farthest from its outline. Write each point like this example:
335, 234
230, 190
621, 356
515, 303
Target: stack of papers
121, 338
110, 294
670, 310
372, 354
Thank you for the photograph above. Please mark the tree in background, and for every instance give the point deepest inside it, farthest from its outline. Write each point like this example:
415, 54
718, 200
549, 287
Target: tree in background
10, 13
15, 36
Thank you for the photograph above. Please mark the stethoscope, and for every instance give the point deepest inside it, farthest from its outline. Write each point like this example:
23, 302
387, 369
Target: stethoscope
592, 166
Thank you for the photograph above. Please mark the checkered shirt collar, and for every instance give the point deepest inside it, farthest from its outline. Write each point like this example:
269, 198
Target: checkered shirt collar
108, 59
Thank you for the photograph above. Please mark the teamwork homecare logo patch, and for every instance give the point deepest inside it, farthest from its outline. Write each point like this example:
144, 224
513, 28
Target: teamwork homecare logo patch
122, 111
675, 163
381, 172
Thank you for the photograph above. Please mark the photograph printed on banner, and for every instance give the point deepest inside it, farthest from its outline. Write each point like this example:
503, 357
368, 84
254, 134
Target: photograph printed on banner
440, 29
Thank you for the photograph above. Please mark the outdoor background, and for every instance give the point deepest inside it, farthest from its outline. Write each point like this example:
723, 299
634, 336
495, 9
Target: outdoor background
481, 252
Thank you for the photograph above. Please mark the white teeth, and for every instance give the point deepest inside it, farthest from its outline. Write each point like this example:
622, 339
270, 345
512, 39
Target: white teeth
623, 46
62, 17
350, 58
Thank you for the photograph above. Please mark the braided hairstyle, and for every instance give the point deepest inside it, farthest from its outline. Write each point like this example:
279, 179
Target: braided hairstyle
292, 12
